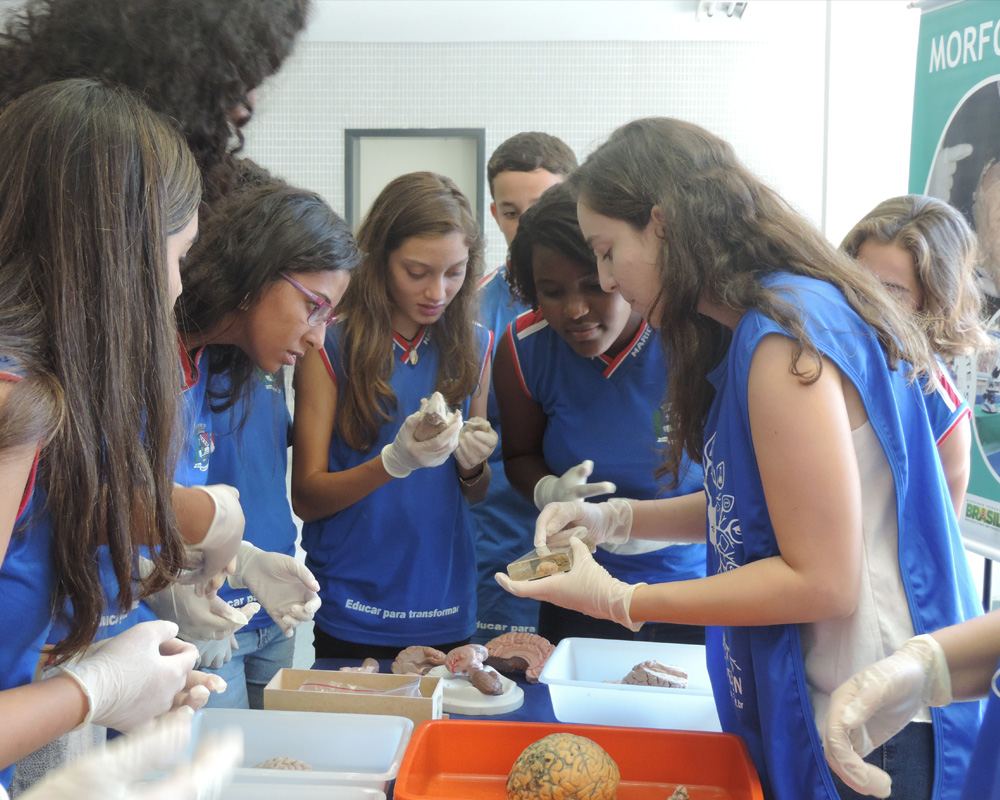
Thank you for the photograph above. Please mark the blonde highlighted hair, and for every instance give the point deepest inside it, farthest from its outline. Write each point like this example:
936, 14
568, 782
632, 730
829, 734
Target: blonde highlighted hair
943, 249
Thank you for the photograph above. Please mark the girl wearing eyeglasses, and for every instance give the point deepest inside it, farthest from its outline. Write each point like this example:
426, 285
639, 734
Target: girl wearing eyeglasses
261, 284
388, 531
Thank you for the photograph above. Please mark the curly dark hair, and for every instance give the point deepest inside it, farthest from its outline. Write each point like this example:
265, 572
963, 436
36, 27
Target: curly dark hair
194, 60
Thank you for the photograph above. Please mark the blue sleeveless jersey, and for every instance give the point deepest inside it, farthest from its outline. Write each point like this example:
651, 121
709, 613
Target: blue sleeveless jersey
607, 410
504, 523
113, 619
758, 675
25, 583
983, 779
255, 461
196, 419
946, 407
397, 567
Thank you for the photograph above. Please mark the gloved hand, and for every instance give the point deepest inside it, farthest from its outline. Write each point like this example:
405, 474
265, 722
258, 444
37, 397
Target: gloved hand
130, 678
285, 587
877, 703
199, 617
117, 771
476, 441
587, 588
571, 485
214, 653
405, 454
212, 556
197, 689
596, 523
942, 175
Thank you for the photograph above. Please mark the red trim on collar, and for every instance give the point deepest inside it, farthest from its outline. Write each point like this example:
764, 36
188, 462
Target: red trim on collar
612, 364
29, 487
408, 347
189, 365
527, 318
328, 365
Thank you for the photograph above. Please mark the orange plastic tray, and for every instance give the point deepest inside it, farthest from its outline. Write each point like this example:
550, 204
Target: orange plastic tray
470, 759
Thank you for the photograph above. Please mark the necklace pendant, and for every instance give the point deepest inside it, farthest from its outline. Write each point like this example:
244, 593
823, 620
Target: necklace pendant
412, 357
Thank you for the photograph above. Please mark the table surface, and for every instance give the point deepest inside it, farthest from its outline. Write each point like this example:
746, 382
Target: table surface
537, 706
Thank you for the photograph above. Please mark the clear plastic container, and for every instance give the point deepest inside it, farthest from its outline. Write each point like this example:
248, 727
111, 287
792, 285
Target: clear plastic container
541, 564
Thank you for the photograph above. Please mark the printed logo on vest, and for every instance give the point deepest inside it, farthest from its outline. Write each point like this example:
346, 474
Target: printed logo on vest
204, 444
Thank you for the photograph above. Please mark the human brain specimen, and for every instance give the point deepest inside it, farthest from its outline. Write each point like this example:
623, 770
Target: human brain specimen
563, 766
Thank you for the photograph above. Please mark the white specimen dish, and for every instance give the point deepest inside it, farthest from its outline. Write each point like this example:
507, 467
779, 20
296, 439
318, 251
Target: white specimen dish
361, 750
578, 668
461, 697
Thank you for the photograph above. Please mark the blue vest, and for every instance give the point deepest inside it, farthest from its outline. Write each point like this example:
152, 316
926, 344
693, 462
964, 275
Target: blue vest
757, 673
504, 523
255, 461
607, 410
397, 567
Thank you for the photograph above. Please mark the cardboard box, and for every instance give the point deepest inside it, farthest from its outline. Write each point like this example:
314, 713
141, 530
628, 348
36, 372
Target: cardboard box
282, 693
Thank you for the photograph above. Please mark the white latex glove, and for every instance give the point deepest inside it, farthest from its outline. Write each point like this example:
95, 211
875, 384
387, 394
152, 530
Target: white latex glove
214, 653
571, 485
199, 617
476, 441
596, 523
405, 454
942, 175
213, 555
587, 588
130, 678
877, 703
117, 771
285, 587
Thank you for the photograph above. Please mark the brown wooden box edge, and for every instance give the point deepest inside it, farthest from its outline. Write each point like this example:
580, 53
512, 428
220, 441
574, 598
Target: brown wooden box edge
282, 694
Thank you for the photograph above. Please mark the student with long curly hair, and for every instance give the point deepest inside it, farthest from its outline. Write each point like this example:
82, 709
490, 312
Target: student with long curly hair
831, 535
197, 61
388, 532
924, 252
260, 288
98, 203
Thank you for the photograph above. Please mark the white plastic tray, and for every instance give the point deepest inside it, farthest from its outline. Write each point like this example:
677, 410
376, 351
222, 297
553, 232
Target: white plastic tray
362, 750
578, 668
245, 789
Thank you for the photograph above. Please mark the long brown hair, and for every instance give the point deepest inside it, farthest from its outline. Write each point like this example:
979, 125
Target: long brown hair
943, 249
724, 230
418, 204
252, 236
94, 182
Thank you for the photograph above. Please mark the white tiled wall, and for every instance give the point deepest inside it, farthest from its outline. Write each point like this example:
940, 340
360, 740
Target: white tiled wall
766, 100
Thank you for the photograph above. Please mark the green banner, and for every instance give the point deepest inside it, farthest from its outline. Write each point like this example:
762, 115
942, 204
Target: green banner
954, 147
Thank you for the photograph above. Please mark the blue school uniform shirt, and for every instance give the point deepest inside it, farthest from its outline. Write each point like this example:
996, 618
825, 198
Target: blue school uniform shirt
946, 407
983, 779
504, 523
255, 461
397, 567
196, 420
610, 411
26, 581
757, 673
